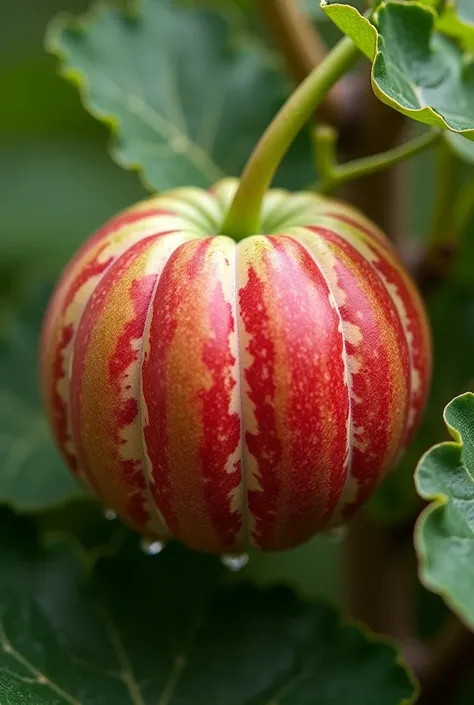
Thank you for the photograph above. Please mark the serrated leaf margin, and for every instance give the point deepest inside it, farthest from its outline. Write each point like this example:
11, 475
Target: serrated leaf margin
429, 114
436, 501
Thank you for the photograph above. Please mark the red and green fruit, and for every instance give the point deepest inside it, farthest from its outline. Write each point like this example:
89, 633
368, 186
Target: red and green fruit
234, 393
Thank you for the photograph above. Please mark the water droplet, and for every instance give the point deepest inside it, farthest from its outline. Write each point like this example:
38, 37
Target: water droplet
152, 548
109, 514
235, 561
337, 534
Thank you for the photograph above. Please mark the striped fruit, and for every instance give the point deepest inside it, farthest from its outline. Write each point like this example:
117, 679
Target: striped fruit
233, 394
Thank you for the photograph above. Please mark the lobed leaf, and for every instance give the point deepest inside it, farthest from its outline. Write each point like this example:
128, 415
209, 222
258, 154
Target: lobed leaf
355, 25
142, 630
444, 535
186, 105
416, 70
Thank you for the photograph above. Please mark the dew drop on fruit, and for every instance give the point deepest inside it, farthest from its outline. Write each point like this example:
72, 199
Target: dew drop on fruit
152, 548
235, 562
109, 514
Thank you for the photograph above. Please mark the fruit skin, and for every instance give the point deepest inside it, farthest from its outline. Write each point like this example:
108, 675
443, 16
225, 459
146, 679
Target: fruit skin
226, 393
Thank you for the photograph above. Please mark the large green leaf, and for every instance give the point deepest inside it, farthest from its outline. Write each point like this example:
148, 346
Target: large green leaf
142, 630
32, 475
186, 107
444, 535
415, 70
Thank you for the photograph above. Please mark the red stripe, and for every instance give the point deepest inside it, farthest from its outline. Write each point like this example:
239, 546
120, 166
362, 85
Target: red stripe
221, 429
194, 287
265, 445
124, 219
375, 390
420, 345
300, 447
60, 419
91, 313
358, 225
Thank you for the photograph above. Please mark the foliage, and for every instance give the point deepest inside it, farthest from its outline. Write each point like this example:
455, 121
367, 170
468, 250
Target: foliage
415, 69
175, 111
445, 532
72, 632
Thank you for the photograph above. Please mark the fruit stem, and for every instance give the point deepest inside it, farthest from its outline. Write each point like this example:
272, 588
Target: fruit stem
333, 175
243, 217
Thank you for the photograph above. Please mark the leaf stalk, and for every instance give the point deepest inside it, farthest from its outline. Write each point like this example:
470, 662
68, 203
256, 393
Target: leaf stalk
333, 175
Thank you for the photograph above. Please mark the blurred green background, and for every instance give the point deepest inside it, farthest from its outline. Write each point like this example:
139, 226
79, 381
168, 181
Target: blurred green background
57, 181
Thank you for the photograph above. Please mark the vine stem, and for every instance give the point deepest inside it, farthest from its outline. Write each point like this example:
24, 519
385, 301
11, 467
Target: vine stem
450, 218
443, 196
462, 211
301, 45
334, 175
243, 218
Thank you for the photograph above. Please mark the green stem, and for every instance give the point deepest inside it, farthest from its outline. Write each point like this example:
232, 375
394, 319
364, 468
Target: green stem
325, 151
243, 218
443, 195
333, 175
462, 212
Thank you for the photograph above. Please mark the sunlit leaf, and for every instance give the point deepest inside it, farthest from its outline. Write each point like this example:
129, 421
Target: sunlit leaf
445, 530
185, 105
416, 70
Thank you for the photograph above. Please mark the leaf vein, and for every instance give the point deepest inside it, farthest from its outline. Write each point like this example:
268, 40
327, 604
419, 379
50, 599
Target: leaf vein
127, 673
180, 143
41, 678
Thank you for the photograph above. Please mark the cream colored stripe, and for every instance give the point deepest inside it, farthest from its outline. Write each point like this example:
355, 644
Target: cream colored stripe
325, 260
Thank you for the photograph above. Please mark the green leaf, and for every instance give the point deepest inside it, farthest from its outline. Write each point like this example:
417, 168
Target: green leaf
186, 106
32, 475
356, 26
415, 70
444, 535
142, 630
